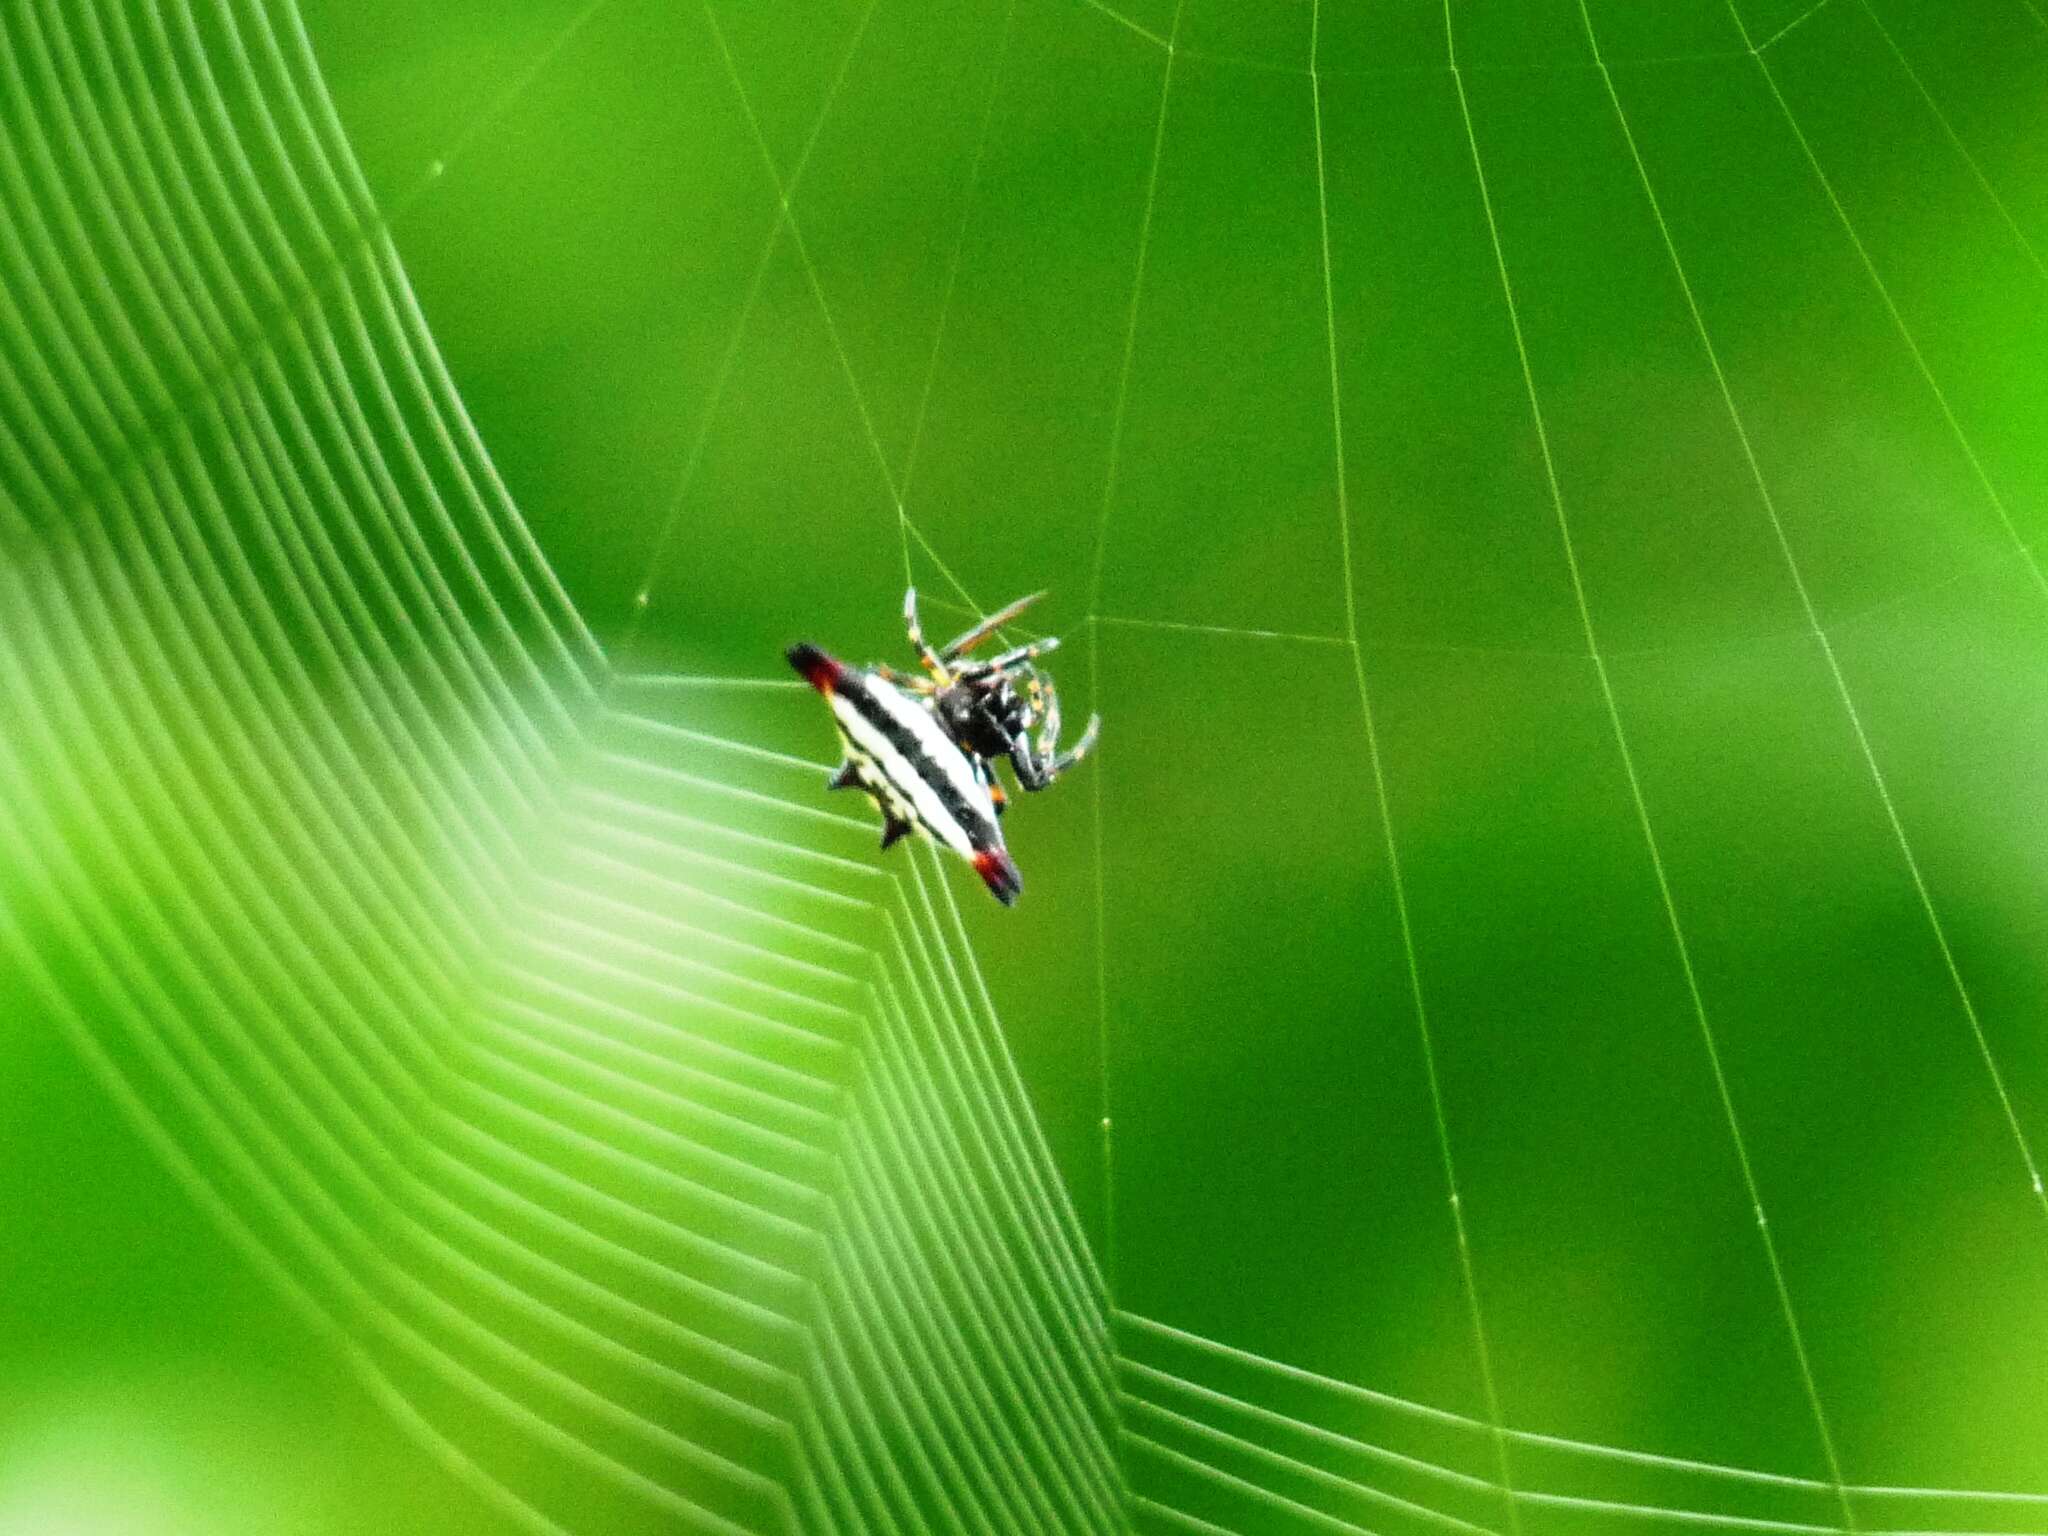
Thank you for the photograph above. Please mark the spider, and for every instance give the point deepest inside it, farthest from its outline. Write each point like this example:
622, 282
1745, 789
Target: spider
924, 747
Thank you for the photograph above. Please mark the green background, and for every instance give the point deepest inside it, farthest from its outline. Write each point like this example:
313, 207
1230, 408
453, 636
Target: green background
1029, 328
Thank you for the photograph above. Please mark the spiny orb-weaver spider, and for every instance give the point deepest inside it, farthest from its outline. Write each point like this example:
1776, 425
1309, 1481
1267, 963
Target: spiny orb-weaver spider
924, 746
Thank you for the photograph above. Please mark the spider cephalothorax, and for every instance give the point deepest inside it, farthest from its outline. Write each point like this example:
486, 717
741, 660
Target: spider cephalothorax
980, 702
925, 746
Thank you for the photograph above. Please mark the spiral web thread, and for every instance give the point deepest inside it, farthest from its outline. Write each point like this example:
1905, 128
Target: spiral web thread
650, 1153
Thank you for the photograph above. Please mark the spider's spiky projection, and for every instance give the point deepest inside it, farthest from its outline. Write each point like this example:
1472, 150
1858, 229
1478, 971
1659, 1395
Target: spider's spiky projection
925, 746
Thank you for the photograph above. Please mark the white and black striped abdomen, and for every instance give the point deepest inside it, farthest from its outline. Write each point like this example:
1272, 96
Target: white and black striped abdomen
904, 758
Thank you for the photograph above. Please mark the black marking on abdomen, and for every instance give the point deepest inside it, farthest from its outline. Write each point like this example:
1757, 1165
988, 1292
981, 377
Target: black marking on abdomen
978, 822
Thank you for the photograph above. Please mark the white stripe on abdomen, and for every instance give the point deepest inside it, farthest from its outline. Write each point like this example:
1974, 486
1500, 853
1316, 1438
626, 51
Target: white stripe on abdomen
938, 746
903, 778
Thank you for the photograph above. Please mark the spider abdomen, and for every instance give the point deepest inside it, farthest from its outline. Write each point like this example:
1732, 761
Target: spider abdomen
900, 754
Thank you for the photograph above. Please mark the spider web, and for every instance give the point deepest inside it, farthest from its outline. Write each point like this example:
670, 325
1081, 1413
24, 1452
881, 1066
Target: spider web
1522, 909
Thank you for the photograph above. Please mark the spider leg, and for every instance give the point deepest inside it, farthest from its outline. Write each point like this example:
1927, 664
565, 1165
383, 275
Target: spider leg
985, 775
1080, 749
1032, 772
1053, 762
1045, 705
1023, 654
1033, 762
910, 682
925, 653
963, 643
